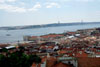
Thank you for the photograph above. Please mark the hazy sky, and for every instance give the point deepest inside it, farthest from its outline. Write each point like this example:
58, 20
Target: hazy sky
27, 12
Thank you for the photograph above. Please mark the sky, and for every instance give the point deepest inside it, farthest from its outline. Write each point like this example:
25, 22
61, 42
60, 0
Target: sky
34, 12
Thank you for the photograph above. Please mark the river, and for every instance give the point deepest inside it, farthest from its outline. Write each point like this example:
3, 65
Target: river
18, 34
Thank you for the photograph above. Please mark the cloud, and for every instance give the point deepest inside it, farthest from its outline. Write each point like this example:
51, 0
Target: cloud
35, 7
7, 5
11, 0
11, 8
53, 4
22, 3
3, 1
85, 0
72, 0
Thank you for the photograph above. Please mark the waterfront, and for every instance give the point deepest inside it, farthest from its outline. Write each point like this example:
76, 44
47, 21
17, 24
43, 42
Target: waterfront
18, 34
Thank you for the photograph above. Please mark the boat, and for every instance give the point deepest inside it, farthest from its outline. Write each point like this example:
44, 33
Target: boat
8, 35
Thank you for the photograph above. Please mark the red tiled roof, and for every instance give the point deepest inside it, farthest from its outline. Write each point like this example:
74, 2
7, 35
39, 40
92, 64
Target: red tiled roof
88, 62
62, 52
82, 54
34, 36
24, 44
61, 65
50, 47
43, 47
97, 53
51, 35
71, 32
44, 59
35, 65
3, 45
51, 61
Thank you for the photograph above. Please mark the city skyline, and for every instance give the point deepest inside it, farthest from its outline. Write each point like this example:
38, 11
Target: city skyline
33, 12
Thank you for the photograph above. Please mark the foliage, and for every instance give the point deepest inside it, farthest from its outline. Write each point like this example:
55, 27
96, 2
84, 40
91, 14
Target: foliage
18, 59
4, 50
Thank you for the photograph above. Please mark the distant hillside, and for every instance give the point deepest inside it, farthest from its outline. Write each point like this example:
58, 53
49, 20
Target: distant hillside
46, 25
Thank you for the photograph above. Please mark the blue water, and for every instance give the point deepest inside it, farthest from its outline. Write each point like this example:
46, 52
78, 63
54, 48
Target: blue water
18, 34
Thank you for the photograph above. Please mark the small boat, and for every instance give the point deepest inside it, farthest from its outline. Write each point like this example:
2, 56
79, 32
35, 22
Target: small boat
8, 35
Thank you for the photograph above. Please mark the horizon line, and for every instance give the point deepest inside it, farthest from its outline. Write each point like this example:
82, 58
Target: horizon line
51, 23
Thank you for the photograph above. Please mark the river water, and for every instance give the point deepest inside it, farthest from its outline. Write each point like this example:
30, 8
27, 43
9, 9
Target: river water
18, 34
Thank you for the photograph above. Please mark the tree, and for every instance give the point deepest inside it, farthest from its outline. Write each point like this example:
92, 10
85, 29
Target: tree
3, 60
21, 48
18, 59
4, 50
34, 58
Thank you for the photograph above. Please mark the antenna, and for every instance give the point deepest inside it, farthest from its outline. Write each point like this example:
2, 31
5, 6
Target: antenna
81, 21
58, 20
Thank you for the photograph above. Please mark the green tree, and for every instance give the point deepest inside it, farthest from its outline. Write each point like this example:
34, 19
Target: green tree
34, 58
4, 50
3, 60
18, 59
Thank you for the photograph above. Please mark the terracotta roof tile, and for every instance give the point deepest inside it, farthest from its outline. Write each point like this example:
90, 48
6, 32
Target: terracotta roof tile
62, 52
51, 35
33, 65
88, 62
51, 47
44, 59
51, 61
71, 32
81, 54
62, 65
34, 36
